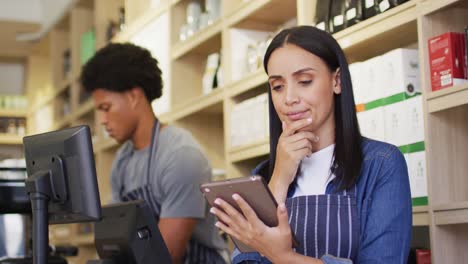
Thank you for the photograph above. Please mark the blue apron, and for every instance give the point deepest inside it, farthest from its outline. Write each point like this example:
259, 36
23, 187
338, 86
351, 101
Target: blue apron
195, 251
325, 224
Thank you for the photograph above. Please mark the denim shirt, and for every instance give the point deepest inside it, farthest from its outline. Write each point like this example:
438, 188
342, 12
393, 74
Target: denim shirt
384, 209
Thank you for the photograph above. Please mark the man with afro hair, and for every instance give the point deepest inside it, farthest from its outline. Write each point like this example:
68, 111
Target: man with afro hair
159, 163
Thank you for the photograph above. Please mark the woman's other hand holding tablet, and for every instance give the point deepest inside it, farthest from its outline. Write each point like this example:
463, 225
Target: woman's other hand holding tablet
250, 230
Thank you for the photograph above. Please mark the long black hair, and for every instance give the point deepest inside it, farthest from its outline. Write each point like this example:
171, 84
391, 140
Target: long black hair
347, 154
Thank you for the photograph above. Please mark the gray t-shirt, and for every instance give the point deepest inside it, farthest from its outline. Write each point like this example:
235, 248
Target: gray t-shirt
178, 167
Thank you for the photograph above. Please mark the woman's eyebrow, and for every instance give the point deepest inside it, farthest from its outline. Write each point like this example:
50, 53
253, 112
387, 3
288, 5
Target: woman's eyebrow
303, 70
275, 77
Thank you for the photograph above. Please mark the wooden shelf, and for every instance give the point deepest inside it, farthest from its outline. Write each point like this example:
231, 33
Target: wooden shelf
392, 29
447, 98
249, 151
54, 94
104, 144
206, 41
428, 7
262, 14
66, 121
420, 216
8, 139
83, 240
138, 24
84, 109
13, 113
247, 83
211, 103
450, 214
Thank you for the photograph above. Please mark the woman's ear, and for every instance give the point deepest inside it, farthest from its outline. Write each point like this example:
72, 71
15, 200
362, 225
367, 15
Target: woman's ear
337, 81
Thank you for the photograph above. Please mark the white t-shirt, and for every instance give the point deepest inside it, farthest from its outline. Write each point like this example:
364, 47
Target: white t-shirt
315, 173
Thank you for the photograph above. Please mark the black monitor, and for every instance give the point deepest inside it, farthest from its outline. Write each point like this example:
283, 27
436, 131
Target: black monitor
128, 234
61, 183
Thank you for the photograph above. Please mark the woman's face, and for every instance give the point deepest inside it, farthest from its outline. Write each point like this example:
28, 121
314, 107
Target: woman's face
302, 86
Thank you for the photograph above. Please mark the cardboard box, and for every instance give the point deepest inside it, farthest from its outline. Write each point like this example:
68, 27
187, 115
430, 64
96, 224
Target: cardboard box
355, 70
417, 173
446, 60
415, 118
399, 72
371, 80
396, 124
372, 124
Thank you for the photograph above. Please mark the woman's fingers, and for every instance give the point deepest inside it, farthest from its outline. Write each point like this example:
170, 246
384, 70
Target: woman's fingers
290, 129
248, 212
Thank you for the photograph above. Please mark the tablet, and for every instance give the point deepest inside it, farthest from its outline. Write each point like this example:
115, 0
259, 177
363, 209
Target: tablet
254, 190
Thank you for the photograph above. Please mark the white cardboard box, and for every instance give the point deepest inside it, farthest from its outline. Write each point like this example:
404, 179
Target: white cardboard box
399, 72
396, 123
359, 92
372, 124
372, 85
240, 40
417, 173
415, 118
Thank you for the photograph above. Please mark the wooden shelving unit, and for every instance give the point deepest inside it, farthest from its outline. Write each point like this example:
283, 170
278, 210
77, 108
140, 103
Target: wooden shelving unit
447, 98
208, 117
8, 139
13, 113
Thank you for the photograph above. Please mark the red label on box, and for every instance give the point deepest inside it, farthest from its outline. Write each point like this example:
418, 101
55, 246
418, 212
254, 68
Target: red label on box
446, 59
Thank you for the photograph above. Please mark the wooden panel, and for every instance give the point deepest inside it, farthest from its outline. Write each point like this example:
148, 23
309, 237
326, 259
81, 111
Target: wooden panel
59, 42
186, 78
204, 42
447, 154
451, 217
211, 103
447, 98
9, 46
263, 14
450, 244
208, 131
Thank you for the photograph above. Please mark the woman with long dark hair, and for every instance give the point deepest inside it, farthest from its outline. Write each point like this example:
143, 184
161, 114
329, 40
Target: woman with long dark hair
345, 198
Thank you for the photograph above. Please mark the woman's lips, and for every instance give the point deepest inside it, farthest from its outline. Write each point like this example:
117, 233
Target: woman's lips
297, 115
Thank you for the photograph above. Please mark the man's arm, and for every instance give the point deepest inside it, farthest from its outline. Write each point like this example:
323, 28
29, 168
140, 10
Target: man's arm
176, 233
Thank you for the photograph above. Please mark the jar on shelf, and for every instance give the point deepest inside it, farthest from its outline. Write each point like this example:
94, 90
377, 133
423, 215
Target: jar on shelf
11, 128
21, 128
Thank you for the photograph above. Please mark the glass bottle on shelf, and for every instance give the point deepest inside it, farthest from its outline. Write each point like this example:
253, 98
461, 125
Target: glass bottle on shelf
371, 8
121, 18
21, 129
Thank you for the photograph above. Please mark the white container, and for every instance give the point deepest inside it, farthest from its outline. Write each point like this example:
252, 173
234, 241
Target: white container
396, 124
355, 69
372, 124
415, 119
399, 72
417, 173
372, 85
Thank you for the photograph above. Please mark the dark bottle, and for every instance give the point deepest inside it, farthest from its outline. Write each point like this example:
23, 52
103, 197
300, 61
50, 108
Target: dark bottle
337, 15
385, 5
370, 8
397, 2
111, 30
121, 18
322, 15
353, 12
